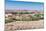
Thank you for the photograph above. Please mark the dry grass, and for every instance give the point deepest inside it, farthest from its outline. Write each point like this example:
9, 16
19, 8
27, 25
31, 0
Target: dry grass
22, 25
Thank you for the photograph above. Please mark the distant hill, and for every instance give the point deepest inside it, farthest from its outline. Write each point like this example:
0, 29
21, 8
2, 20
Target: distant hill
9, 11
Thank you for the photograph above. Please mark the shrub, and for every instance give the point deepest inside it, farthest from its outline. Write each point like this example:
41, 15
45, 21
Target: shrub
20, 12
9, 19
35, 18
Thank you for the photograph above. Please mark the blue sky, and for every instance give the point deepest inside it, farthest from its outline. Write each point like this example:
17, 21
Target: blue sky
23, 5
